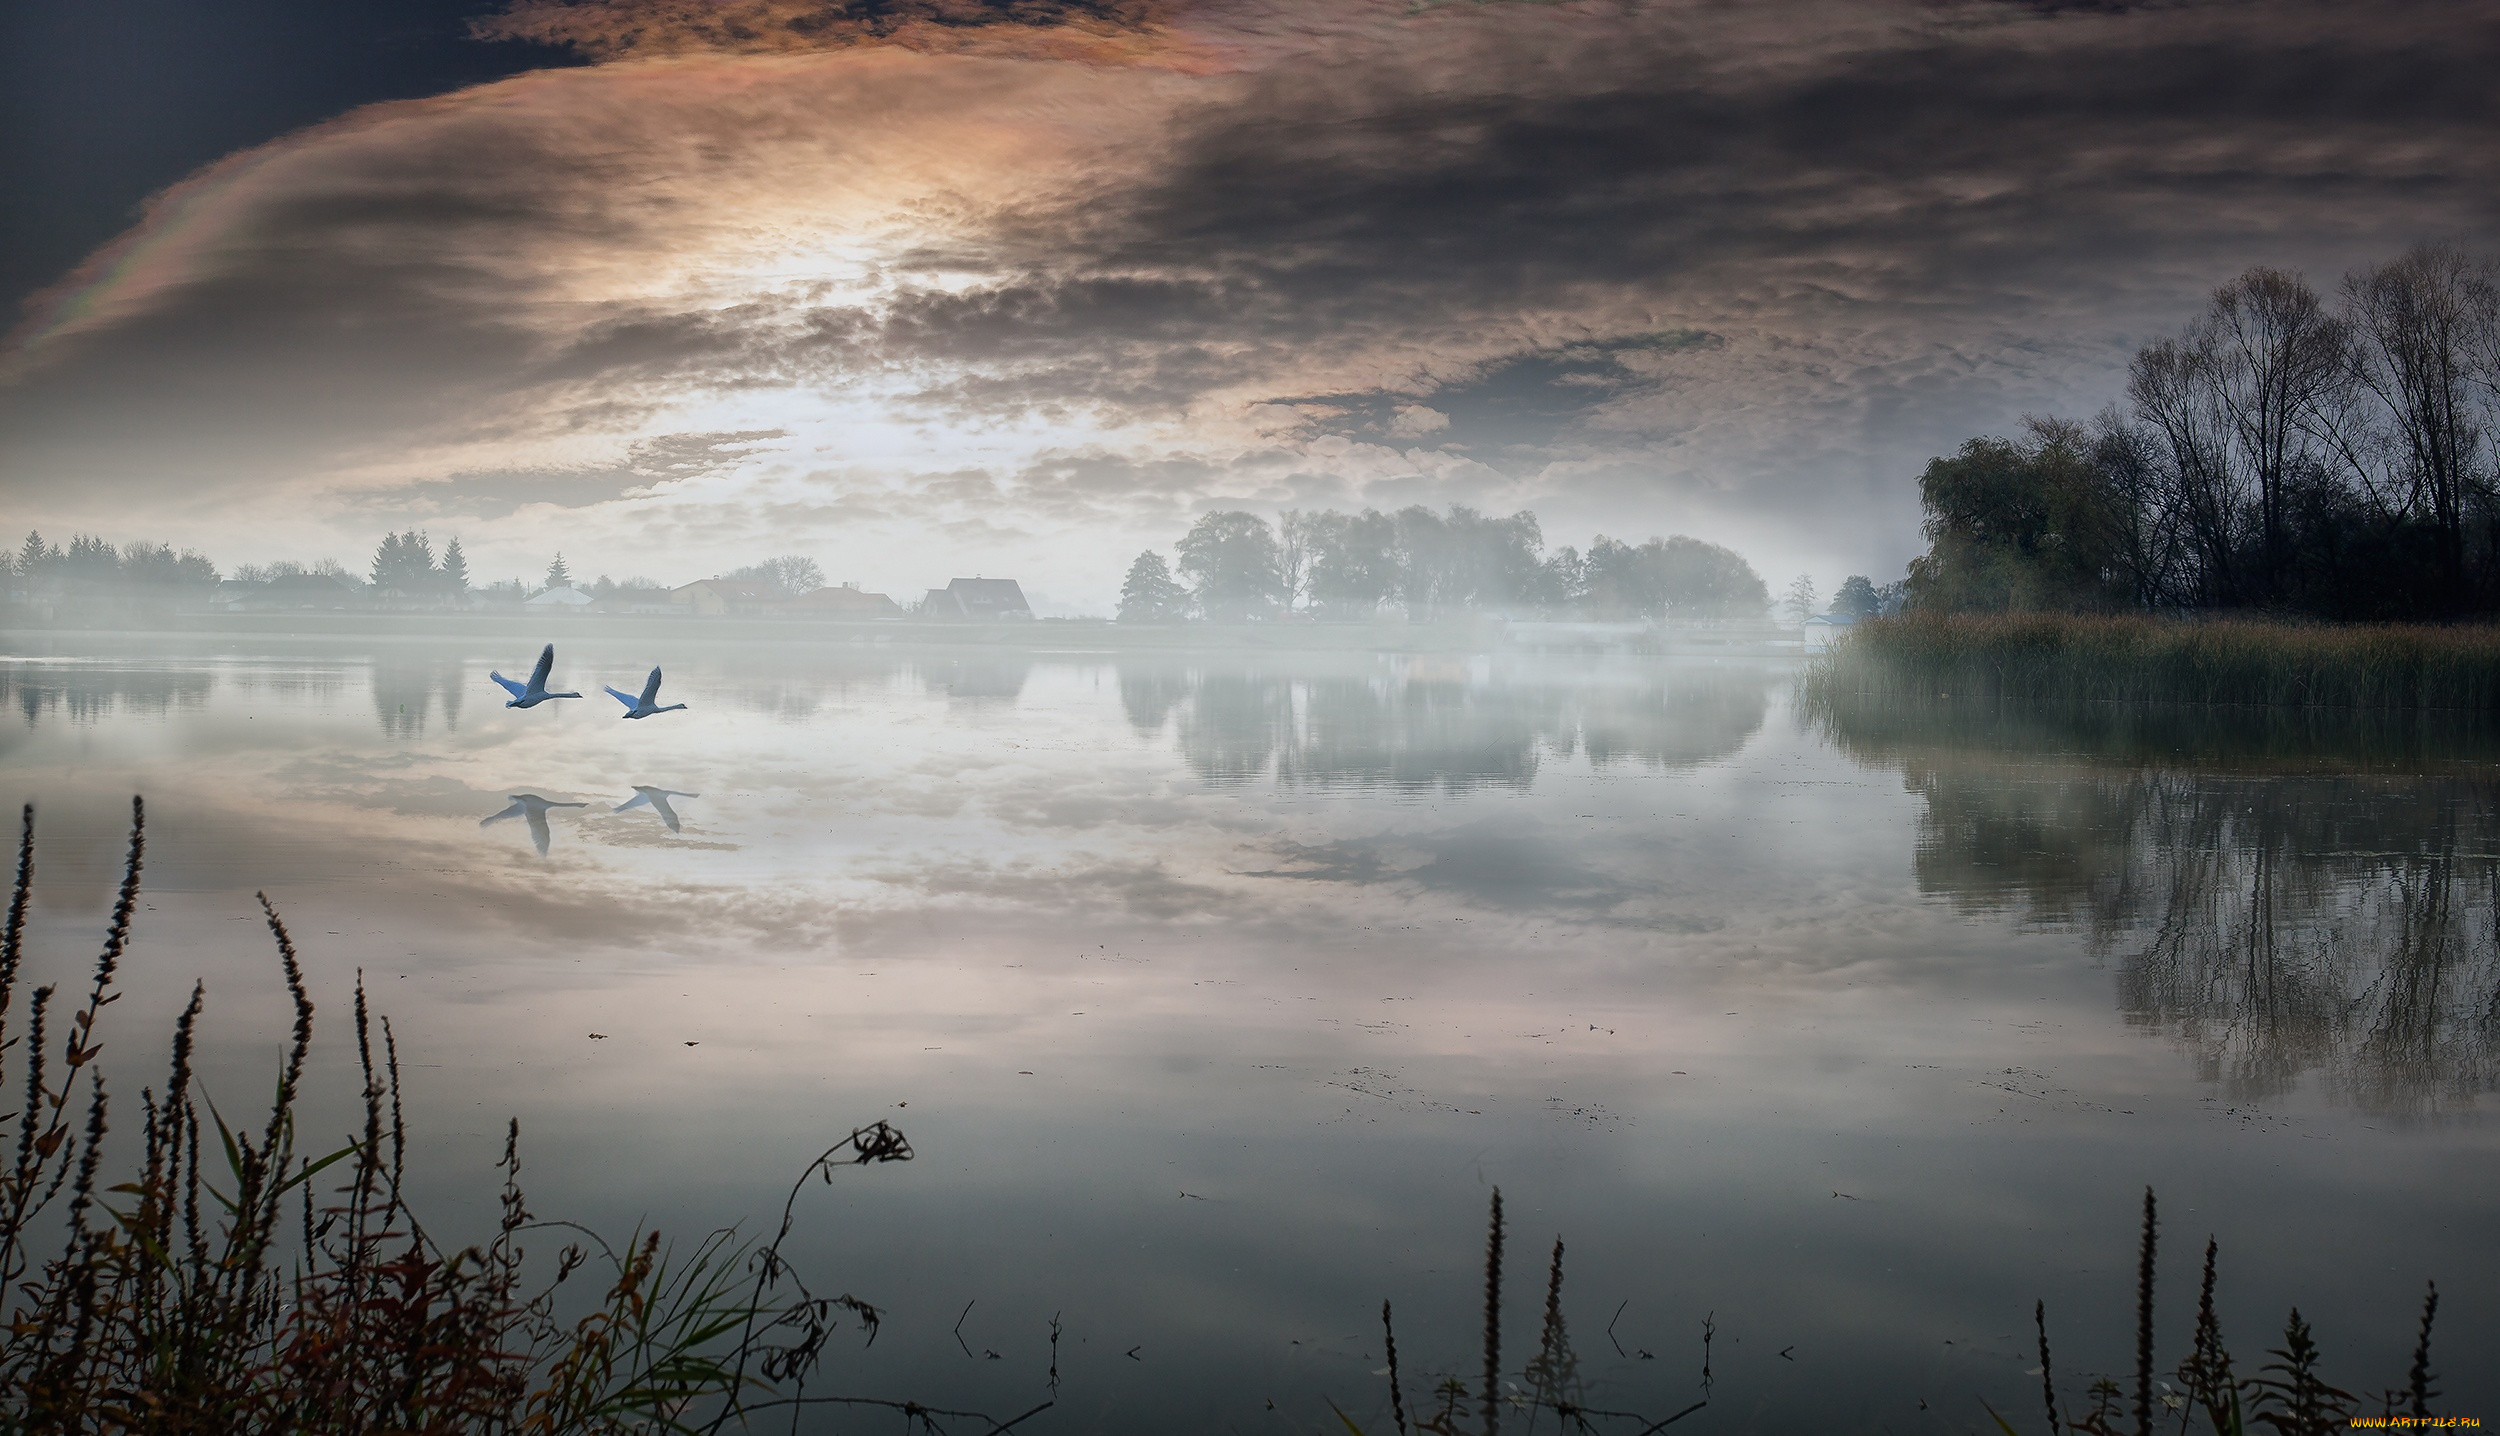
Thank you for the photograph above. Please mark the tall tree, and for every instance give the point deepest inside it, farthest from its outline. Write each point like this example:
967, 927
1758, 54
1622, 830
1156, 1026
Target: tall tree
1800, 600
1353, 563
1150, 594
2273, 356
455, 569
2019, 526
1230, 559
558, 576
2414, 321
1856, 598
1293, 553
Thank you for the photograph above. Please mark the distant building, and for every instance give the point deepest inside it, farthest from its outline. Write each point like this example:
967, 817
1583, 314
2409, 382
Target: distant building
565, 599
713, 597
845, 602
1820, 630
976, 600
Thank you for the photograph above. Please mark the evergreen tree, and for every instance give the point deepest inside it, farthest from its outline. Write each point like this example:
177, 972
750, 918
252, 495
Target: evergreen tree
1150, 595
386, 561
35, 555
558, 576
455, 569
93, 559
1857, 598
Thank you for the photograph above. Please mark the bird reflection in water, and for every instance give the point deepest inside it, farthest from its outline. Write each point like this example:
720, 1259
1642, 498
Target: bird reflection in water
534, 808
656, 799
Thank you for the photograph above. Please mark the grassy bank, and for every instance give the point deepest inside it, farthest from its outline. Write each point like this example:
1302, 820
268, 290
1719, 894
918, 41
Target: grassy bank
2076, 658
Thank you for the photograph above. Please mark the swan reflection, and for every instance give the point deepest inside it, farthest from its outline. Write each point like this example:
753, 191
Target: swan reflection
534, 808
656, 799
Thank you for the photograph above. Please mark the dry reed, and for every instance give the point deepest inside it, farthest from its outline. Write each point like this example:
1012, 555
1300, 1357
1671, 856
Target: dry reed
2083, 658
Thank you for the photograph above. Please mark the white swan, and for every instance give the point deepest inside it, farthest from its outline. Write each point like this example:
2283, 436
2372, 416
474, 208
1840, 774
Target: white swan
534, 808
535, 692
644, 706
657, 800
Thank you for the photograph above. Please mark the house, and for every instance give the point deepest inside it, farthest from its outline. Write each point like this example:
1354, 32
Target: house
976, 600
559, 600
713, 597
1819, 632
845, 602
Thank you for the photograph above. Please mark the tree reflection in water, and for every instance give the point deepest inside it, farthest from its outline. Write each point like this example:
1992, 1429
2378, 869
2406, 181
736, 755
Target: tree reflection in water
2282, 894
406, 685
1447, 725
84, 693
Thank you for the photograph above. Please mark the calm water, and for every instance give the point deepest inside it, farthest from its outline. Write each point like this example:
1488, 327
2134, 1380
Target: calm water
1215, 992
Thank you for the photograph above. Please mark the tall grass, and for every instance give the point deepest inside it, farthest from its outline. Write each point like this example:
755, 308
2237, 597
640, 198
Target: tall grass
2070, 657
2289, 1395
235, 1283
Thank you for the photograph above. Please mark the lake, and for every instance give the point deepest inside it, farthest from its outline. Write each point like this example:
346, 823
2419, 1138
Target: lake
1216, 992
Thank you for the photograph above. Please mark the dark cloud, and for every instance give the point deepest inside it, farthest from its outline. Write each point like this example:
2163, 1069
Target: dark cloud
495, 494
617, 29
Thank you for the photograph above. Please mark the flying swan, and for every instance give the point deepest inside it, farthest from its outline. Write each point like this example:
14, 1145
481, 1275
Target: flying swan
646, 705
535, 692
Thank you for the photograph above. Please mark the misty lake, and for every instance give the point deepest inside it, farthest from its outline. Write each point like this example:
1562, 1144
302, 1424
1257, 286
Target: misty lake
1216, 991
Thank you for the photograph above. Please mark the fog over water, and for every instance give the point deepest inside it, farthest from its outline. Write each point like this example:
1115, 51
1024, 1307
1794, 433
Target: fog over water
1215, 990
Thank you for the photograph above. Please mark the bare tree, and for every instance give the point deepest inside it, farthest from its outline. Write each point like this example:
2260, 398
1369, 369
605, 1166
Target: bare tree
2272, 354
2414, 323
2171, 386
1293, 553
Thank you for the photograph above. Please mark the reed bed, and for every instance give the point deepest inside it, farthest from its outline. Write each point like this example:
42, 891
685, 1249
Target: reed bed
2050, 657
236, 1284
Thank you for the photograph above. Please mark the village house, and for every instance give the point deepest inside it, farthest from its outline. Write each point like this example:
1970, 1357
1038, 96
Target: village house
846, 602
976, 600
716, 597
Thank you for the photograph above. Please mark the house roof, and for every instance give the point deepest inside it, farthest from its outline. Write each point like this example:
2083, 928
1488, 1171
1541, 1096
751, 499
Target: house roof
846, 598
564, 597
736, 590
993, 595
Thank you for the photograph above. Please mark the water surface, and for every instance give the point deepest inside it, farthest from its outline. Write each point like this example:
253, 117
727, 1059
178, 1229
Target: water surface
1216, 992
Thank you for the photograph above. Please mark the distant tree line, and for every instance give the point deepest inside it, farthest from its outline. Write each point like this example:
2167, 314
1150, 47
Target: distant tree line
1235, 566
91, 563
2286, 452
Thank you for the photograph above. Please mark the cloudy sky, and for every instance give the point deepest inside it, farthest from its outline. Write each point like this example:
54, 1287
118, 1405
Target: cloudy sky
929, 287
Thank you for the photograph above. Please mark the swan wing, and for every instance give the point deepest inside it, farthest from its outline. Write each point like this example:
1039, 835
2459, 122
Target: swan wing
651, 688
546, 665
515, 689
625, 698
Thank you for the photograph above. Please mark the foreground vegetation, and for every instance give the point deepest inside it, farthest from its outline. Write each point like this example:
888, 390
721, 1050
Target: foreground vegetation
2051, 657
2289, 1394
235, 1284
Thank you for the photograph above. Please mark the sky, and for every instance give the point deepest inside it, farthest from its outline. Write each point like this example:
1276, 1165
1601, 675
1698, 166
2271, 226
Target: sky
927, 288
